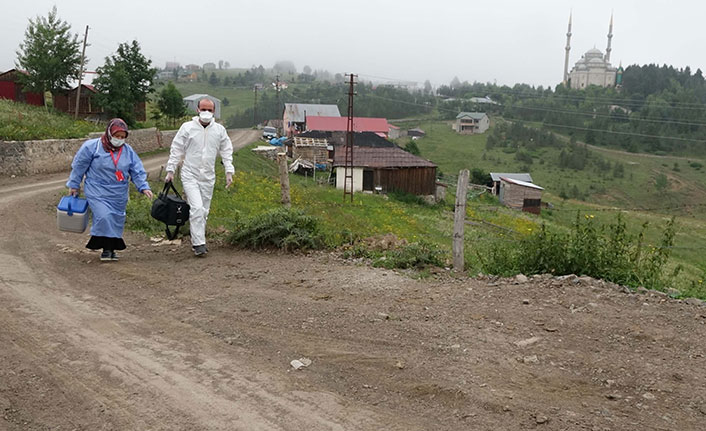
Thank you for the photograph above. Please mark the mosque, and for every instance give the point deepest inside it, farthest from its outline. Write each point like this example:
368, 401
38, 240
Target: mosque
593, 68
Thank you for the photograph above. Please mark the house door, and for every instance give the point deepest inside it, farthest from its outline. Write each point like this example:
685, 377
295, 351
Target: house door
368, 180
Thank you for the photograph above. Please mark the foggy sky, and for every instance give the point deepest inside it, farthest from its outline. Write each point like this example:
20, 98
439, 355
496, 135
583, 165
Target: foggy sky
498, 41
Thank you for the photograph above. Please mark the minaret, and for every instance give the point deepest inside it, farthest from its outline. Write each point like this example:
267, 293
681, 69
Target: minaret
568, 48
610, 37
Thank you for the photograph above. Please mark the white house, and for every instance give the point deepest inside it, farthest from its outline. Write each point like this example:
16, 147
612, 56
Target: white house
471, 123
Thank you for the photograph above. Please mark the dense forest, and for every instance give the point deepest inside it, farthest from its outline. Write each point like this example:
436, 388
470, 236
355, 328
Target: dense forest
658, 109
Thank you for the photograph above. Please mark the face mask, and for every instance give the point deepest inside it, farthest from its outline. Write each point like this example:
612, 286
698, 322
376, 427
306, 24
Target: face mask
117, 142
206, 116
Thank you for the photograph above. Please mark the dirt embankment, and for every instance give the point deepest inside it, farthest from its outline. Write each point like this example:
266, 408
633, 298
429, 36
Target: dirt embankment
164, 341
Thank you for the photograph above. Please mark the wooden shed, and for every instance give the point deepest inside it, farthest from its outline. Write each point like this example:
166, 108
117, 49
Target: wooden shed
520, 195
386, 169
65, 101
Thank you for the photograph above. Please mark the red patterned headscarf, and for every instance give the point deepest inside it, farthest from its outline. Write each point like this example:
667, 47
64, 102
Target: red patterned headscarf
114, 126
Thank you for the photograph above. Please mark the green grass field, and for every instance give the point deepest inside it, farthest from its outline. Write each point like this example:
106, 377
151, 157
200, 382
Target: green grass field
19, 122
685, 196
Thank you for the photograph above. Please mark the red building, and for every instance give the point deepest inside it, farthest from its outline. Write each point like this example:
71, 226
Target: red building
11, 88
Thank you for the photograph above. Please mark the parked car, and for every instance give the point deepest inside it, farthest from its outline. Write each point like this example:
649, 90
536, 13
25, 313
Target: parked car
269, 132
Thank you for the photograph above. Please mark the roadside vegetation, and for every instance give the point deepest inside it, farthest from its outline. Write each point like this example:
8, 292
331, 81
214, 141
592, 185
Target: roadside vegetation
21, 122
400, 231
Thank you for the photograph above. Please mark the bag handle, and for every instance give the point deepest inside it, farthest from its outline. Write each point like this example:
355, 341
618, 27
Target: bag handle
69, 211
171, 236
167, 186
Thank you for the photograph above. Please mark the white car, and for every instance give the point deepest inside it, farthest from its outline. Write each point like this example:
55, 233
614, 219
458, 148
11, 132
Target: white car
269, 132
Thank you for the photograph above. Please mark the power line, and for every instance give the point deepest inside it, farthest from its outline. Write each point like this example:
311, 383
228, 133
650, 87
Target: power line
557, 125
615, 132
596, 114
696, 106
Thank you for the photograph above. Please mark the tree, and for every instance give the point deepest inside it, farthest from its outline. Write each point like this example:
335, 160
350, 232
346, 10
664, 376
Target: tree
171, 103
127, 68
427, 87
455, 83
661, 182
226, 102
307, 70
284, 66
113, 87
213, 79
220, 64
226, 65
412, 147
49, 54
138, 68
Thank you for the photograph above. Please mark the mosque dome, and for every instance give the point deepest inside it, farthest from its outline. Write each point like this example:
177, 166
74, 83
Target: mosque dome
594, 53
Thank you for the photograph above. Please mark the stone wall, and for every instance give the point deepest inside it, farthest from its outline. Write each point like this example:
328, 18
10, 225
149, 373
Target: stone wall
55, 155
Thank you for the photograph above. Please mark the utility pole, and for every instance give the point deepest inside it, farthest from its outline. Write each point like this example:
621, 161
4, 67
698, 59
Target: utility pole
279, 103
255, 109
348, 167
80, 74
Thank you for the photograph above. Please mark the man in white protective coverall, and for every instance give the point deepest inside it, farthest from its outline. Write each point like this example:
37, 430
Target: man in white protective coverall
198, 142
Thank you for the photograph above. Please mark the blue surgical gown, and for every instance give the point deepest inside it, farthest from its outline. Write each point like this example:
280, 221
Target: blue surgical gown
106, 196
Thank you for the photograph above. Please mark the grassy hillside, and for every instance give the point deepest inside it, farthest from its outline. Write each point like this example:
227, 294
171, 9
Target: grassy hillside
19, 121
684, 197
239, 98
256, 191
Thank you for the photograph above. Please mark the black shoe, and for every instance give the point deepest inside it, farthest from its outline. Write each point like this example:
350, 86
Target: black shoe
113, 256
106, 255
200, 250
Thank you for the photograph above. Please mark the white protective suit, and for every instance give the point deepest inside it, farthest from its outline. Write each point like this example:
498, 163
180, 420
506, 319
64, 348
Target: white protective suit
198, 146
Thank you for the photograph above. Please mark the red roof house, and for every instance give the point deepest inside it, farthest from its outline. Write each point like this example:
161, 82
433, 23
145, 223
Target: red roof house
340, 124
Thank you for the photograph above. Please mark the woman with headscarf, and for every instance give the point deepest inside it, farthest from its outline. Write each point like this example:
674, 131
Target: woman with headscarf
107, 163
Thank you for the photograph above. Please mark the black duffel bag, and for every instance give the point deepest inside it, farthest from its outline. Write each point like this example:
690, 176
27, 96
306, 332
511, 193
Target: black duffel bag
170, 209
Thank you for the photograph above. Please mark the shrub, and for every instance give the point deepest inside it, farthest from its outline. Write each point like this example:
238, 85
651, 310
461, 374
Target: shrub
416, 255
607, 252
407, 198
282, 228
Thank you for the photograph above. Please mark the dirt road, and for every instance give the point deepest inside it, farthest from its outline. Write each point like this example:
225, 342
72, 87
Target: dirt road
164, 341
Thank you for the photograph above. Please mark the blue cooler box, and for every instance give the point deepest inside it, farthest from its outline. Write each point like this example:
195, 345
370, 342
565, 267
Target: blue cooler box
72, 214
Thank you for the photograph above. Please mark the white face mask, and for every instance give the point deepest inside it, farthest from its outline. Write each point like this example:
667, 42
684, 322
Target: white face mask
206, 116
117, 142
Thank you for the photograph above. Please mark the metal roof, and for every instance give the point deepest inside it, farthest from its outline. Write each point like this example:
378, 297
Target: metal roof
296, 112
474, 115
196, 97
377, 157
360, 139
340, 124
521, 183
520, 177
485, 99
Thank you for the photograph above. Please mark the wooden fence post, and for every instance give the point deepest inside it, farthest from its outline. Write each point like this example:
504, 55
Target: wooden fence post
284, 179
459, 220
